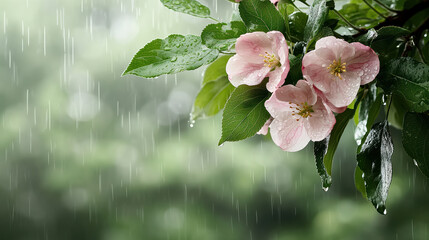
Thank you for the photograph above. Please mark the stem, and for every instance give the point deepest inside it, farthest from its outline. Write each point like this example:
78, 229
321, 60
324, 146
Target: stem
385, 7
347, 21
373, 9
214, 19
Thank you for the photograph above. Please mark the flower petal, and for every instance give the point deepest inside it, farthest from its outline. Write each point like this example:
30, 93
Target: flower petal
366, 61
302, 92
332, 107
251, 45
289, 134
321, 122
264, 129
339, 47
242, 72
343, 91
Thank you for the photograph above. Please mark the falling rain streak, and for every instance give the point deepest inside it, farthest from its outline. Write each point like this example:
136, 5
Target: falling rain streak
116, 157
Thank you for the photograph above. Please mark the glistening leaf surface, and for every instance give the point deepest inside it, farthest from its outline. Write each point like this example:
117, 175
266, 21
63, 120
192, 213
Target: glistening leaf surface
244, 113
408, 79
191, 7
222, 36
261, 15
174, 54
375, 162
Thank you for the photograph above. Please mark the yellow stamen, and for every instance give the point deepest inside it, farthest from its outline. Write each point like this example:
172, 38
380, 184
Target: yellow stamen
303, 109
336, 68
270, 60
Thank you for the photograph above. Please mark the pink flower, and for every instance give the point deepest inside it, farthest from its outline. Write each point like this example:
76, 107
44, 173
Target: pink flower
264, 129
259, 55
299, 116
337, 68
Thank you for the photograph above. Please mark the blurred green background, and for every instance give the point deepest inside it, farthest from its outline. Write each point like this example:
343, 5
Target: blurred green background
88, 154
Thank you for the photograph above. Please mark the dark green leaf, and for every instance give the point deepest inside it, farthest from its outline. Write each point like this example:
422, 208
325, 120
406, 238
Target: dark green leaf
375, 162
368, 112
191, 7
295, 72
297, 21
387, 40
298, 49
408, 79
216, 70
397, 112
320, 150
391, 32
261, 15
368, 37
359, 182
212, 98
415, 138
334, 138
318, 13
174, 54
222, 36
244, 113
282, 6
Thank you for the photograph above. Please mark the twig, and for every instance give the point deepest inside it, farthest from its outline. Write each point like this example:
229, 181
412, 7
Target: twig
348, 23
373, 9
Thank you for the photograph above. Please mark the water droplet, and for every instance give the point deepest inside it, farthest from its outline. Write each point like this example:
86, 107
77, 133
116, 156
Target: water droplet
325, 189
415, 162
173, 59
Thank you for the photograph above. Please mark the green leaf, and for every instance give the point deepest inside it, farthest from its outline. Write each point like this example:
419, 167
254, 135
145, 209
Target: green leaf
375, 162
261, 15
212, 98
397, 112
359, 182
387, 40
368, 112
320, 150
415, 138
174, 54
297, 21
389, 32
368, 37
295, 72
222, 36
319, 11
408, 79
244, 113
191, 7
283, 12
334, 138
216, 70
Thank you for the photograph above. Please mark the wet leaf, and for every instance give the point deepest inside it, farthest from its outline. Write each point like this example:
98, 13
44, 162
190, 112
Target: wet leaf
174, 54
319, 11
332, 141
295, 72
409, 80
244, 113
212, 98
415, 138
261, 15
375, 162
320, 150
222, 36
191, 7
359, 182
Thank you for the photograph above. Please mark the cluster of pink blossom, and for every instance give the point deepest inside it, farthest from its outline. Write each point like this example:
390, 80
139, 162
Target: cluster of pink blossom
333, 73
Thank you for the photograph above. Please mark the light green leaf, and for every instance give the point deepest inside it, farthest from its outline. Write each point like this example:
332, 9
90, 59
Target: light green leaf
191, 7
174, 54
261, 15
212, 98
216, 70
244, 113
415, 138
222, 36
375, 162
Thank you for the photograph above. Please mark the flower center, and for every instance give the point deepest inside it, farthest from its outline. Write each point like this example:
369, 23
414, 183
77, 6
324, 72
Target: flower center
303, 109
336, 68
270, 60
